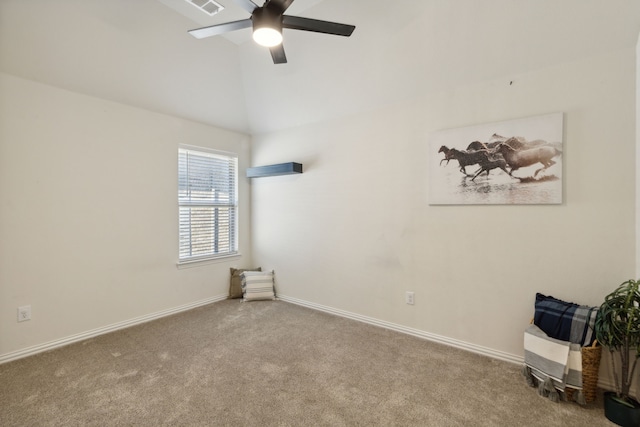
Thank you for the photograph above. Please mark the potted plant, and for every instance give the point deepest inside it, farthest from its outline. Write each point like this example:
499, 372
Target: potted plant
617, 327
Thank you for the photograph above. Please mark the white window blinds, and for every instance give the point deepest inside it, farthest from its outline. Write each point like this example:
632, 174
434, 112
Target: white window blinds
207, 200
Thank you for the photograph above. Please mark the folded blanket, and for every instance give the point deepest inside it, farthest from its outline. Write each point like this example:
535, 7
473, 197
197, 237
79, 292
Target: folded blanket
555, 364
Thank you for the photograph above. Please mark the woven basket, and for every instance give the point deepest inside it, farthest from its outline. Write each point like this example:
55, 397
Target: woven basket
590, 367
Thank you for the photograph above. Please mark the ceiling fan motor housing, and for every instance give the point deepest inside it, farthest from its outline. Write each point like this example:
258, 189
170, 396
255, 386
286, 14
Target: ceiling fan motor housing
266, 18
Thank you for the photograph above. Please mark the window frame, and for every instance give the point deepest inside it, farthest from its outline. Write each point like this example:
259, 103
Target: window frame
189, 203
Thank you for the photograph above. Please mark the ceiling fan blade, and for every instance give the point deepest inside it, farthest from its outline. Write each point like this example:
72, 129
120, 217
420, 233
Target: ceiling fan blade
278, 6
214, 30
247, 5
277, 54
317, 26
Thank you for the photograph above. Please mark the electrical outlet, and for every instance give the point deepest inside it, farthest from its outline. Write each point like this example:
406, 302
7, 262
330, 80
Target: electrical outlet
24, 313
409, 297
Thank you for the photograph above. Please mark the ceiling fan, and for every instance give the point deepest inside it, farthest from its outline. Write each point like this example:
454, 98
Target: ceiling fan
268, 21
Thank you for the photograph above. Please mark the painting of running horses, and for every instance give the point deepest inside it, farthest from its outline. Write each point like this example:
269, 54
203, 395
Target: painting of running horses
511, 162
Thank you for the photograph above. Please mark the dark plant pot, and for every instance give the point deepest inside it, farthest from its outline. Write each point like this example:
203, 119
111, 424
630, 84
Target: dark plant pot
621, 414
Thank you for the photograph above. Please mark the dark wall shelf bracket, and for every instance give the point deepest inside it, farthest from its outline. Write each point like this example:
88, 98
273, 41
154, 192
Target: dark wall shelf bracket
274, 170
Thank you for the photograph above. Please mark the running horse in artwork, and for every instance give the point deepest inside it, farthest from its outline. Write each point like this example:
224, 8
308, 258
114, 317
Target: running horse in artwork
517, 159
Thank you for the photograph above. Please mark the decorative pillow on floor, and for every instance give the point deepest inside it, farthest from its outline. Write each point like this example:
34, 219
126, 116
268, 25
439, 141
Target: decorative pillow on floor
257, 285
235, 284
564, 320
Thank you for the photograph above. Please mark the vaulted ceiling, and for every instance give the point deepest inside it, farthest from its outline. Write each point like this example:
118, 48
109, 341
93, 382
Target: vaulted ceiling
138, 52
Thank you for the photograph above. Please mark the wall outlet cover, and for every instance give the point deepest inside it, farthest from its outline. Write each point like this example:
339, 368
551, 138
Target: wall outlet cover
24, 313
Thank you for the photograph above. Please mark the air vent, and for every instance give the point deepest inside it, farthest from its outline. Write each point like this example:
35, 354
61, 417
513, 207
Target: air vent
209, 7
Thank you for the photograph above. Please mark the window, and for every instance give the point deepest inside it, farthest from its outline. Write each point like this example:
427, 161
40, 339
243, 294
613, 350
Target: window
207, 200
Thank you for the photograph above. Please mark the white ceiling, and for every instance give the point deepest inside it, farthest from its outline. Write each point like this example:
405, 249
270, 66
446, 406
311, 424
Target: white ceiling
138, 52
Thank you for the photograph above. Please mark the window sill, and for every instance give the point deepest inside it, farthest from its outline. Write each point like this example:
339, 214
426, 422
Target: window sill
206, 261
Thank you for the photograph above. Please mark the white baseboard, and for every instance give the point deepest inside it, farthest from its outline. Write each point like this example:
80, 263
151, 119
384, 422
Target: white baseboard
485, 351
29, 351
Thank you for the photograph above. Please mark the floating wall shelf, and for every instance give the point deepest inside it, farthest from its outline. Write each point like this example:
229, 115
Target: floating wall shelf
274, 170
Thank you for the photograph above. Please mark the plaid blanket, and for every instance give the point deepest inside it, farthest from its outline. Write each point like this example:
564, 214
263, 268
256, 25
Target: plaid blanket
555, 364
564, 320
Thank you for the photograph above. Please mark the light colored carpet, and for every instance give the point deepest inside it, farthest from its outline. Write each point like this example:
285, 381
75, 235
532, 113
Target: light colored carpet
271, 363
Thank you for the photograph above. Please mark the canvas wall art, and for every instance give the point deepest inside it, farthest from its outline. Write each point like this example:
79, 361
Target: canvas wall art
510, 162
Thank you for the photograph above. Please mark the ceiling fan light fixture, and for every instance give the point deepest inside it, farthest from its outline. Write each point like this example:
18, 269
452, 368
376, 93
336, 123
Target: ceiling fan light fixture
268, 37
267, 27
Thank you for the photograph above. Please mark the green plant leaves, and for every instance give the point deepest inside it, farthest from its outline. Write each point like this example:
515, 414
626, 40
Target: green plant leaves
617, 327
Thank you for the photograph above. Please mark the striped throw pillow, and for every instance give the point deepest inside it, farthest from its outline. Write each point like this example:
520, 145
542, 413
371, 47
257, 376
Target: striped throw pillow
257, 285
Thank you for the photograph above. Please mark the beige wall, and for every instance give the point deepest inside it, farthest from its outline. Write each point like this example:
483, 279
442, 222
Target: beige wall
88, 214
355, 230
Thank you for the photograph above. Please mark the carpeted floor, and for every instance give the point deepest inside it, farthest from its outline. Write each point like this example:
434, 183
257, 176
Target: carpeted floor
271, 363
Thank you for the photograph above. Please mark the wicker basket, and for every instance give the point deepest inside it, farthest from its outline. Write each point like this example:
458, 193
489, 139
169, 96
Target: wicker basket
590, 367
